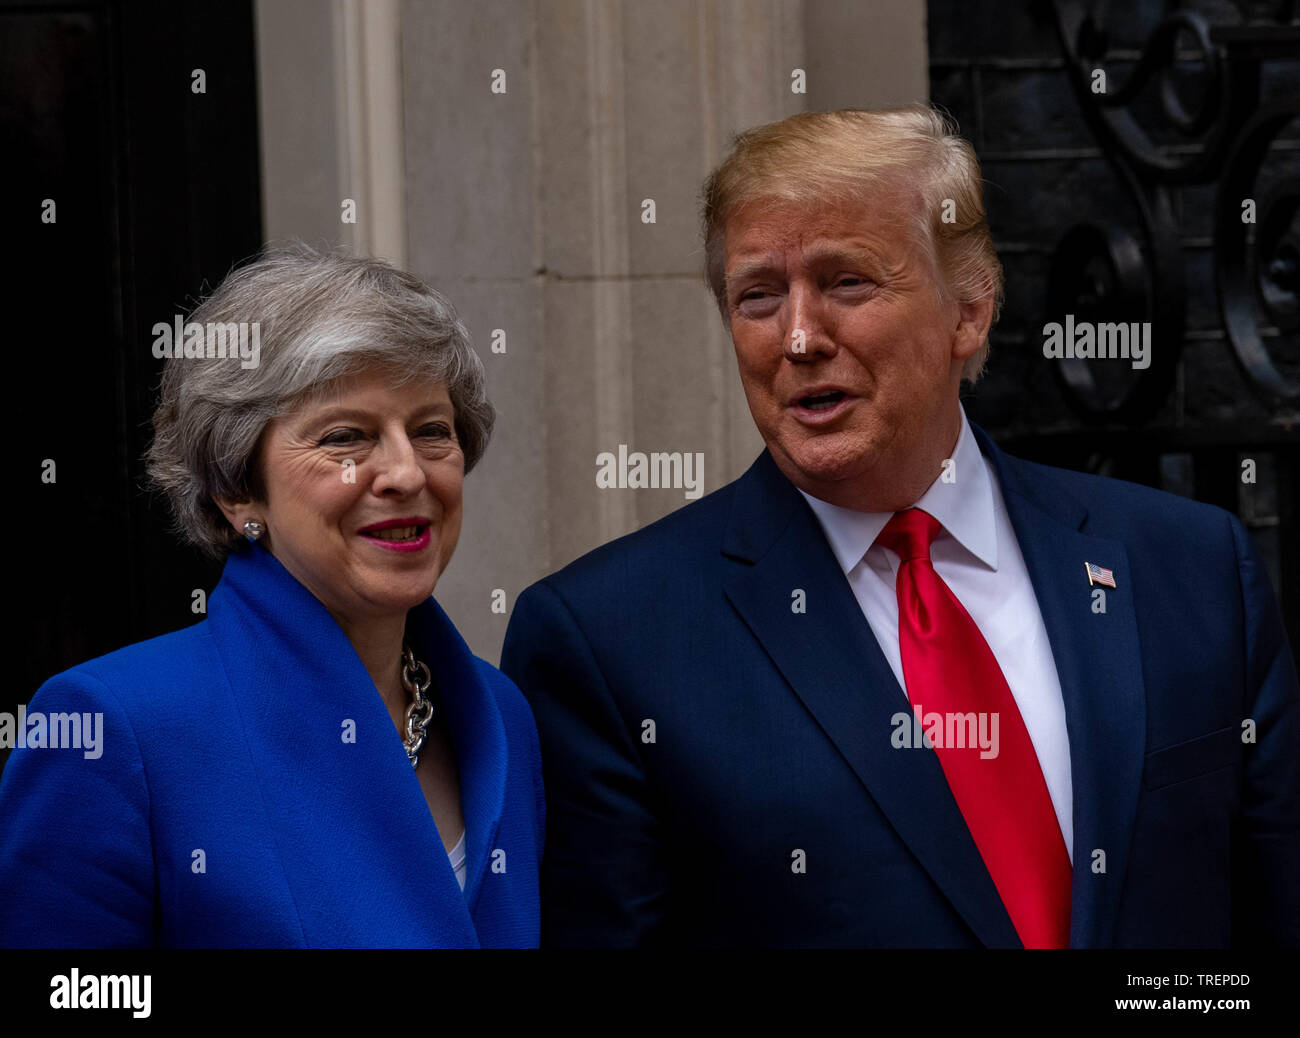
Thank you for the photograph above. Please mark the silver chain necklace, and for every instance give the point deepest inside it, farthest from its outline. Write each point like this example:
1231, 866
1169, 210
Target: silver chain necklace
415, 679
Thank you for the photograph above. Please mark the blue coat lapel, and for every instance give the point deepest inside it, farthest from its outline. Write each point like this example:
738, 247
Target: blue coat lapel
831, 660
362, 858
1099, 663
477, 732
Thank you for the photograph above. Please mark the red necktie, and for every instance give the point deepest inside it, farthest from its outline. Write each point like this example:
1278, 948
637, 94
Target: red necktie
949, 669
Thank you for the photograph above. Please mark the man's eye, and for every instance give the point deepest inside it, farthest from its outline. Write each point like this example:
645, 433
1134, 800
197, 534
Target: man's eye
757, 302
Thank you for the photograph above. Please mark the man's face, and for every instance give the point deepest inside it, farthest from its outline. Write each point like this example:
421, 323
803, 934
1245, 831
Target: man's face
851, 364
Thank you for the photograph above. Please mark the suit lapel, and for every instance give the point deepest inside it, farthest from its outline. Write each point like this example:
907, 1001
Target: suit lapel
830, 658
363, 861
1099, 664
478, 734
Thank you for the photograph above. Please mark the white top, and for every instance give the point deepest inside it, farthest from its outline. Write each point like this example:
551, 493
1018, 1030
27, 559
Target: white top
978, 557
457, 857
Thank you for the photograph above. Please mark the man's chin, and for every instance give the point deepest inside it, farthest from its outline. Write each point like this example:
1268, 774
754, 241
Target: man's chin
822, 463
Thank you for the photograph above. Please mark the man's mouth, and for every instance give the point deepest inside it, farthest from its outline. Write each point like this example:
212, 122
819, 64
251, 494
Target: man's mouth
821, 401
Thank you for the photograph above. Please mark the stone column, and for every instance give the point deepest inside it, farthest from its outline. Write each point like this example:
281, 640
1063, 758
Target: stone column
553, 156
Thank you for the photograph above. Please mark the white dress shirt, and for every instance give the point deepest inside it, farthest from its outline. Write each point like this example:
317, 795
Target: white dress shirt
457, 857
978, 557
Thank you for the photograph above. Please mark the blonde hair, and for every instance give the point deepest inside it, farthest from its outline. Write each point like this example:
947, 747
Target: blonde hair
818, 157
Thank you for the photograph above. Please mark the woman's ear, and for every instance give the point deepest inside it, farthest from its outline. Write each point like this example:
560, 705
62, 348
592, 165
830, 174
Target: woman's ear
237, 512
250, 508
229, 507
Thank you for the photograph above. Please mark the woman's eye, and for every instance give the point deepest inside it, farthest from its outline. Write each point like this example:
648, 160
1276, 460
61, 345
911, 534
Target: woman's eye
340, 437
435, 429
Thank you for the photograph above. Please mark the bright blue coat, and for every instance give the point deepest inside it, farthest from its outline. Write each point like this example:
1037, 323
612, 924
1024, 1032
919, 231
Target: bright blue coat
234, 738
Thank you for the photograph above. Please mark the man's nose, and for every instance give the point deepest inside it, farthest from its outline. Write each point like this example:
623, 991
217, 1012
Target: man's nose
806, 336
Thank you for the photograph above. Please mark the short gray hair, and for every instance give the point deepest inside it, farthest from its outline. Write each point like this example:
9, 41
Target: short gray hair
322, 316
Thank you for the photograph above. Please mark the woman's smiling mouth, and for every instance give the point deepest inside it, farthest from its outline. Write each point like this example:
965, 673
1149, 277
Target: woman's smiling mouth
406, 534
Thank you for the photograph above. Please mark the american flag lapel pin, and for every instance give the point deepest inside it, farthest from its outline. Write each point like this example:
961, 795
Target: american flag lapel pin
1097, 575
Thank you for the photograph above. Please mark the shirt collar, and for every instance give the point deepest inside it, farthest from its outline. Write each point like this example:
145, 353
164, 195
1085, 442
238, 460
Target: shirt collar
964, 507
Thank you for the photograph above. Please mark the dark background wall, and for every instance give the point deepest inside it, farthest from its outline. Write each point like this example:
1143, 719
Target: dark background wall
1002, 71
156, 195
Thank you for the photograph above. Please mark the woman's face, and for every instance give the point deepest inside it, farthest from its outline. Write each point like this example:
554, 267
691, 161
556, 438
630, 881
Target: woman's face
363, 494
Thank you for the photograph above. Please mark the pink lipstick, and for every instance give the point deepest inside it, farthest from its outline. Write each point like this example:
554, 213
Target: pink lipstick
408, 534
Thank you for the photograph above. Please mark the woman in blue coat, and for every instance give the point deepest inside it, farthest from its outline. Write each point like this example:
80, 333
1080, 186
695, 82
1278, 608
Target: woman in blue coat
321, 762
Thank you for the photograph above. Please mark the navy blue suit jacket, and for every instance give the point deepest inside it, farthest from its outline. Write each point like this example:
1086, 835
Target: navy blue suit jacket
257, 738
771, 733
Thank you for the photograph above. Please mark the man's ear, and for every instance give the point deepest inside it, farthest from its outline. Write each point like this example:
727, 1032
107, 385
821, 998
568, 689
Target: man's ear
974, 320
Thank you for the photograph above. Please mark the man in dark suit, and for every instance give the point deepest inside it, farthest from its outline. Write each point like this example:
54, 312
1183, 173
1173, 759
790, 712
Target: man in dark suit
893, 687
